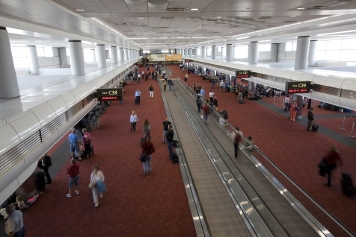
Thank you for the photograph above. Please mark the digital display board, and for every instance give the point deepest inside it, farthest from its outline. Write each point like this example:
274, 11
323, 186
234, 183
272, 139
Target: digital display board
298, 87
243, 73
109, 94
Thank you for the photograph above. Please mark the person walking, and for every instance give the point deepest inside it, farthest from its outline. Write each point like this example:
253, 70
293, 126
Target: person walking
148, 149
211, 96
96, 182
222, 85
133, 121
165, 129
169, 139
186, 76
87, 142
293, 110
310, 119
164, 85
45, 162
198, 101
146, 128
74, 144
236, 136
206, 112
286, 103
215, 102
73, 173
138, 96
331, 160
151, 91
14, 225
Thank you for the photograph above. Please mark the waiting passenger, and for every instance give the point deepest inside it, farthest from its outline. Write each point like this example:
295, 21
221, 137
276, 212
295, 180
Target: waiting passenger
146, 128
87, 142
74, 144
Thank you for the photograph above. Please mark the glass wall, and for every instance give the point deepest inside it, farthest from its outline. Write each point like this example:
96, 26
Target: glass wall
20, 57
241, 51
208, 52
336, 50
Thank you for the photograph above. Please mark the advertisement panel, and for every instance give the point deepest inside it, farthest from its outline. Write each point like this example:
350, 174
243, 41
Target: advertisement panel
169, 57
157, 57
176, 57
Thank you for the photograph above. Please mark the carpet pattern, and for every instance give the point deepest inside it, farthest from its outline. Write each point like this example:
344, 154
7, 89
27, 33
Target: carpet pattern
293, 149
135, 204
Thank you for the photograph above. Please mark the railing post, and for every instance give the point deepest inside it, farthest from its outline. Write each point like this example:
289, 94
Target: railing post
343, 123
352, 130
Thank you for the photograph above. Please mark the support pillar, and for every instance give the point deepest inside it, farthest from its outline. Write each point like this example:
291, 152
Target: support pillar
126, 54
9, 87
63, 59
196, 52
34, 64
213, 51
252, 87
203, 52
190, 52
253, 53
301, 54
113, 51
94, 56
185, 52
229, 52
299, 100
274, 52
122, 56
101, 55
76, 57
312, 53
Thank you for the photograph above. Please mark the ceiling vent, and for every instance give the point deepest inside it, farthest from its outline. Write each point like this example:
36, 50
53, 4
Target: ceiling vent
167, 18
265, 17
175, 9
212, 20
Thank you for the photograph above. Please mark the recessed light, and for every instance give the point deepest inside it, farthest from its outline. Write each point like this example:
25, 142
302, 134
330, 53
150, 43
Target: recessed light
219, 17
79, 10
141, 18
301, 8
194, 9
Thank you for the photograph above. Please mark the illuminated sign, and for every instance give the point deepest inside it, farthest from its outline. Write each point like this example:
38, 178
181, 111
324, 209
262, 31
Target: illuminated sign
298, 87
109, 94
243, 73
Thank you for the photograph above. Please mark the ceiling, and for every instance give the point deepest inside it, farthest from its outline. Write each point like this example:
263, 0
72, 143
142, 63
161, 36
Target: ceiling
180, 23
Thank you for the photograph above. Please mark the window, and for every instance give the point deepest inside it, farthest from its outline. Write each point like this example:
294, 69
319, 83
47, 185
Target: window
291, 46
40, 52
89, 55
320, 45
223, 51
241, 51
219, 49
348, 55
333, 44
264, 47
348, 44
20, 58
332, 55
48, 52
336, 50
208, 52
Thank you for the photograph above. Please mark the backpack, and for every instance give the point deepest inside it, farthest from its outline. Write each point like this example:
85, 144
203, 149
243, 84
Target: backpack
47, 160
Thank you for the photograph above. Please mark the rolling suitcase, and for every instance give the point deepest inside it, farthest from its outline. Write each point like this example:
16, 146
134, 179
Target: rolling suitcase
40, 181
347, 186
175, 158
315, 127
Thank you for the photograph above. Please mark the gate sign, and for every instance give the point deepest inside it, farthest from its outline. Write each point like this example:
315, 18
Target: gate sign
298, 87
109, 94
242, 73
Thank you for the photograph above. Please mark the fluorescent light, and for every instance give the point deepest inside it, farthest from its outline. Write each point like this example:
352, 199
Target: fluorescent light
301, 8
194, 9
141, 18
79, 10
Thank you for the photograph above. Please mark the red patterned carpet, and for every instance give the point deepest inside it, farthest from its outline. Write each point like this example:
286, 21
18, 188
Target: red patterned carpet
135, 205
296, 151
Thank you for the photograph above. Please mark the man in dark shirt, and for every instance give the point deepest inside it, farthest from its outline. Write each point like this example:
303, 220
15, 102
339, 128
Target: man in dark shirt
148, 149
206, 111
310, 118
169, 139
224, 114
165, 129
73, 173
215, 102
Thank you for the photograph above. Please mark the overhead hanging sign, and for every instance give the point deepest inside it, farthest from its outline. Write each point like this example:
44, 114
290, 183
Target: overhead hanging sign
109, 94
298, 87
243, 73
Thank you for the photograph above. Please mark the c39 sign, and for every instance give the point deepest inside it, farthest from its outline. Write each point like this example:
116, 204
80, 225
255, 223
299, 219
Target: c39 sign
109, 94
298, 87
243, 73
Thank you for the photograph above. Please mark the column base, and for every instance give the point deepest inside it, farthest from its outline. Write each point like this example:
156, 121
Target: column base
299, 117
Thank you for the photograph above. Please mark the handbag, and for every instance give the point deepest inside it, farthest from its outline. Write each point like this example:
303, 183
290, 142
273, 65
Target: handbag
91, 185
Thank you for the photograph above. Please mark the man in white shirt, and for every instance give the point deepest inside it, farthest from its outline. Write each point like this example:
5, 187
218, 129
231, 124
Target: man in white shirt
211, 96
138, 96
287, 103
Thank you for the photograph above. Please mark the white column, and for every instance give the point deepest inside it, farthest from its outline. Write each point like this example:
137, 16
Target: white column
126, 54
184, 52
94, 55
213, 51
274, 52
34, 64
189, 52
301, 54
300, 105
203, 52
312, 52
196, 51
122, 56
253, 53
113, 51
76, 57
229, 52
100, 55
9, 87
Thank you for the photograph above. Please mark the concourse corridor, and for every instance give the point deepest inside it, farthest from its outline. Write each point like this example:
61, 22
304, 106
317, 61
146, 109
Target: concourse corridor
135, 204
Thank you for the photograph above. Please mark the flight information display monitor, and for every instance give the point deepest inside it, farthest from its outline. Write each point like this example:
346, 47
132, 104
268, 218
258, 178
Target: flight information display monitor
298, 87
109, 94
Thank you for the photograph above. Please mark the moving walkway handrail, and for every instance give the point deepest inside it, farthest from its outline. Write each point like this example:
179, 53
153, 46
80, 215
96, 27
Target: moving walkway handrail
313, 222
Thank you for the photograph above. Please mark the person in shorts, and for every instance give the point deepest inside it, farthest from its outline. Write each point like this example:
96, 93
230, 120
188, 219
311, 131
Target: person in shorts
73, 173
73, 144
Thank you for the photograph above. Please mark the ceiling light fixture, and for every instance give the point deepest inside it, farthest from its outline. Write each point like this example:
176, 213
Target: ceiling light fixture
301, 8
79, 10
194, 9
141, 18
